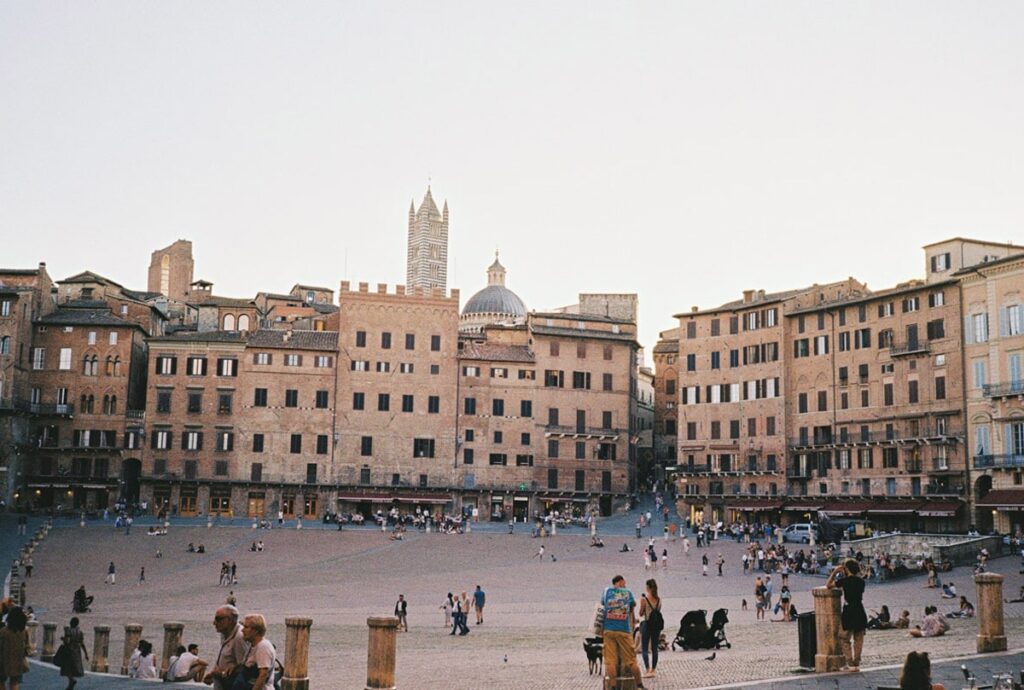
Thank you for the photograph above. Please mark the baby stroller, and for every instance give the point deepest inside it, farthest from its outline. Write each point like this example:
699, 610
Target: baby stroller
694, 632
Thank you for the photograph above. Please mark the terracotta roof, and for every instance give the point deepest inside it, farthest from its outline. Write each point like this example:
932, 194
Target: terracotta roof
495, 352
225, 302
968, 239
870, 297
585, 333
295, 340
19, 271
69, 316
321, 308
1003, 497
140, 295
89, 277
189, 336
569, 316
666, 346
300, 286
985, 264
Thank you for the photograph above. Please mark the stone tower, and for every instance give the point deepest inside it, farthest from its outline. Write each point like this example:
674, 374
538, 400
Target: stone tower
427, 261
170, 271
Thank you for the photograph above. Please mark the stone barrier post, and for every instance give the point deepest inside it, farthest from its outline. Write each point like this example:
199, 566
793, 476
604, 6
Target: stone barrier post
32, 628
991, 635
380, 657
172, 640
132, 635
296, 654
49, 642
101, 648
827, 620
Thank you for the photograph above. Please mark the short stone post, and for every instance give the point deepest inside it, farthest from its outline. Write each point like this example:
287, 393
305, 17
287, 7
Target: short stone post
296, 654
100, 648
32, 628
380, 657
172, 640
991, 635
49, 642
132, 635
828, 622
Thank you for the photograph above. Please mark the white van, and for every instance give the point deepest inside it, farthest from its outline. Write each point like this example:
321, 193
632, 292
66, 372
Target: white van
799, 533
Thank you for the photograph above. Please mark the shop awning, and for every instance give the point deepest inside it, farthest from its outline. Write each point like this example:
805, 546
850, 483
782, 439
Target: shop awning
755, 506
939, 509
423, 499
847, 509
1007, 499
804, 507
372, 498
894, 508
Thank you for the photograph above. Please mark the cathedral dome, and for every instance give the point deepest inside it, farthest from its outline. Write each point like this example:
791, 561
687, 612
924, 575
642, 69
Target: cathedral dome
495, 303
495, 299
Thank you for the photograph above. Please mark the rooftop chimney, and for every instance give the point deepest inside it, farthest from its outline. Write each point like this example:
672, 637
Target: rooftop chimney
748, 296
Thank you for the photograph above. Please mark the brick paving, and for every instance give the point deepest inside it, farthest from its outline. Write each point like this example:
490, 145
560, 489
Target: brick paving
537, 612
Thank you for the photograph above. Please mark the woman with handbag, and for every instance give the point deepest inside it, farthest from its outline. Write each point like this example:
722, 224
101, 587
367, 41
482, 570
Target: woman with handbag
73, 643
14, 649
256, 672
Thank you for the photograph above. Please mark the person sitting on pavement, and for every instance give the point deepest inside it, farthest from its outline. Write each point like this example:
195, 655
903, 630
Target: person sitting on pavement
949, 591
186, 665
82, 601
933, 624
966, 609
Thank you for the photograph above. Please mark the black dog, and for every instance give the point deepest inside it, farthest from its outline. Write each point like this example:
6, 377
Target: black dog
594, 647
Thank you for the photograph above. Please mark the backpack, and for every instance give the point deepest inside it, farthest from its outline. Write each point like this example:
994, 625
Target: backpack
655, 621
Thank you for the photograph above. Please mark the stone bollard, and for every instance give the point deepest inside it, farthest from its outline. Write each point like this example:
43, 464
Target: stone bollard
828, 621
172, 640
991, 635
296, 654
380, 653
32, 628
49, 642
132, 635
100, 648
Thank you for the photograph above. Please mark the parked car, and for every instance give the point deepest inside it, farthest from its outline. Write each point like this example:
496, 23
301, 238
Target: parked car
799, 533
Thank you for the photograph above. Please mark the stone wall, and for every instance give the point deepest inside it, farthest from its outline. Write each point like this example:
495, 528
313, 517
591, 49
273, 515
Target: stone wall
955, 548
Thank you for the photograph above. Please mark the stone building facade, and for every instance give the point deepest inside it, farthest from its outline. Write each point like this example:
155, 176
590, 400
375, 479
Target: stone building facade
170, 271
993, 324
871, 416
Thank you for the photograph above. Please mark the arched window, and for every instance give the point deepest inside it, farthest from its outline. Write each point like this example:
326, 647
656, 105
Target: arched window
110, 366
5, 345
113, 404
86, 365
117, 366
243, 322
95, 366
83, 403
229, 322
106, 404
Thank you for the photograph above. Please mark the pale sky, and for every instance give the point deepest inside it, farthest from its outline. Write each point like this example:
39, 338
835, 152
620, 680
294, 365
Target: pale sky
683, 151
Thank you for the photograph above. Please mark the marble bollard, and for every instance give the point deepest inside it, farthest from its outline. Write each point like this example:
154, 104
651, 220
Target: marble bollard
172, 640
49, 642
828, 621
380, 653
991, 634
101, 648
132, 635
296, 654
32, 628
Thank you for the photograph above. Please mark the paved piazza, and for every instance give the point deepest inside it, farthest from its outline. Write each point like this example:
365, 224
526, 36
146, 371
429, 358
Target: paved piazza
537, 613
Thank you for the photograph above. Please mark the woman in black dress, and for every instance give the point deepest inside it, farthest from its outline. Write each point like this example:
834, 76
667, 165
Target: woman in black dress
847, 578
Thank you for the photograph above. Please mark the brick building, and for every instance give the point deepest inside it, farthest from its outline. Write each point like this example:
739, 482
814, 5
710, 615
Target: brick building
666, 383
851, 403
86, 394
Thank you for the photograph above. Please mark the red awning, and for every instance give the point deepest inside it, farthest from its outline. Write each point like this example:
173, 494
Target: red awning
804, 508
1012, 499
401, 498
894, 508
939, 509
754, 506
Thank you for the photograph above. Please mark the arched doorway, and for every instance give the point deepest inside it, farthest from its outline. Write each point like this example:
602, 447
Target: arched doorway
131, 471
982, 515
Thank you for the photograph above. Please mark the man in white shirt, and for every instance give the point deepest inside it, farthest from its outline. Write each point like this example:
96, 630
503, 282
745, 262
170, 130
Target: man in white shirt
188, 666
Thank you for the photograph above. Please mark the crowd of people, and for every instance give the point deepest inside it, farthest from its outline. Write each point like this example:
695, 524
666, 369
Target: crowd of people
456, 610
